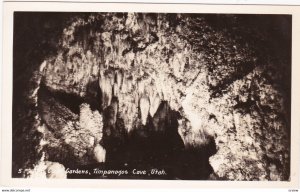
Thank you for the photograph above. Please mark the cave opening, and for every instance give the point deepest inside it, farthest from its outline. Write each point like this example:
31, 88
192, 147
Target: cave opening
154, 145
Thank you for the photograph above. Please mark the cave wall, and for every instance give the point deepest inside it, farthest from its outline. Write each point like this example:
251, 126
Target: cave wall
214, 86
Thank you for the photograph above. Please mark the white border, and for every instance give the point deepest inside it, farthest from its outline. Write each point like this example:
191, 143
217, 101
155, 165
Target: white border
6, 126
208, 2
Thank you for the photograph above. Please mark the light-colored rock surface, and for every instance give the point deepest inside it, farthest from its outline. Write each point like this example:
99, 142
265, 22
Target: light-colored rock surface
214, 81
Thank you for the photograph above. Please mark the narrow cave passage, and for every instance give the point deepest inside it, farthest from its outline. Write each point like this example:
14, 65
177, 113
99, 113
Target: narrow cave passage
155, 145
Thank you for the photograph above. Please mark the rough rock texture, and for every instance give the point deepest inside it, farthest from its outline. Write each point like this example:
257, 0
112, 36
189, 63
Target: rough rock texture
198, 82
47, 169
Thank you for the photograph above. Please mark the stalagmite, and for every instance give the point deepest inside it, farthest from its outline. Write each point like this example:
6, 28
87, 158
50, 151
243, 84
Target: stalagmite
115, 108
144, 107
119, 78
154, 104
106, 86
115, 90
141, 87
56, 171
99, 153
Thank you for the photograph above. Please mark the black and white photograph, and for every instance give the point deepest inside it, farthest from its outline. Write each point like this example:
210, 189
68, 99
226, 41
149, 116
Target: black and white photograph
147, 95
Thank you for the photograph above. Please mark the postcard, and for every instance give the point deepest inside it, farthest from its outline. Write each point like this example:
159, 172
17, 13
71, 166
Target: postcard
105, 94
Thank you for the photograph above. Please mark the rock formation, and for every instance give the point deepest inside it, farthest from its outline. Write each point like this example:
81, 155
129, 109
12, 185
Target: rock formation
182, 89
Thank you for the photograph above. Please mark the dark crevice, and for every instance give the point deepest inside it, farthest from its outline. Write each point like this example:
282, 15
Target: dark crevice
73, 101
154, 145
